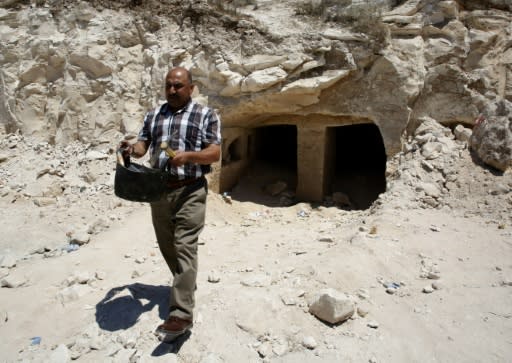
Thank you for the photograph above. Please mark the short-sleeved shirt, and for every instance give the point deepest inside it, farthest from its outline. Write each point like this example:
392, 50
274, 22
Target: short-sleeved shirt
188, 129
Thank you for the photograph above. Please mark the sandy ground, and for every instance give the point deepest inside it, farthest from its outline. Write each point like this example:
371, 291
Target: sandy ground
102, 302
468, 319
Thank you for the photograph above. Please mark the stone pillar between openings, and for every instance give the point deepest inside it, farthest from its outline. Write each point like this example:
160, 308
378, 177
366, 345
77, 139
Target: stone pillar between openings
311, 152
235, 158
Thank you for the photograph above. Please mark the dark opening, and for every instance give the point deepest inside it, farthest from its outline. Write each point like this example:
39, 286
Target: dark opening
234, 152
359, 161
273, 166
355, 166
277, 146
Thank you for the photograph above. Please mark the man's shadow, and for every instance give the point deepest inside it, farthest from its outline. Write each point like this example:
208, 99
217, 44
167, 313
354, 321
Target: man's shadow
122, 307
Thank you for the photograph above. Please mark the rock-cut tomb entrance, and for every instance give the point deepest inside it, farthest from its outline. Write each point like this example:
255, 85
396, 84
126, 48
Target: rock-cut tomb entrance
288, 159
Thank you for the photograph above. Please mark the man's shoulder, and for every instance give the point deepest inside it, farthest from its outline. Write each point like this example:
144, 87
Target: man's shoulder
206, 111
198, 107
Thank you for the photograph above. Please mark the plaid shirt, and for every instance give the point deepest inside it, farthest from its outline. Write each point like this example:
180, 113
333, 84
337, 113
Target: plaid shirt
189, 129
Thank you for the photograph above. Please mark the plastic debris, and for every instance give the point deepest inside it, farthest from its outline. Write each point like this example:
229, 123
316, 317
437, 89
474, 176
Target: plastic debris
392, 285
35, 340
302, 214
226, 198
71, 247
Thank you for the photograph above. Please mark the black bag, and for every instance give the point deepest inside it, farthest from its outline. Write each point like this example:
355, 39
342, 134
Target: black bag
138, 183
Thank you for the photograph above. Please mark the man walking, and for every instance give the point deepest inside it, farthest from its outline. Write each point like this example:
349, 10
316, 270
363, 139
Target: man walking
192, 131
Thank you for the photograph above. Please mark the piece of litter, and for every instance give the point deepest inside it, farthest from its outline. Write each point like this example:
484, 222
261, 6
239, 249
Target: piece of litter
302, 214
392, 285
71, 247
35, 340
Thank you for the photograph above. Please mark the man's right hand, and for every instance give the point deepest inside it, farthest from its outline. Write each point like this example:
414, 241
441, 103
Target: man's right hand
126, 148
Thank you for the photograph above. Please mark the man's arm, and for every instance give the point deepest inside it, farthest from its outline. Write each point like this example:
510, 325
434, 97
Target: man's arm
139, 148
208, 155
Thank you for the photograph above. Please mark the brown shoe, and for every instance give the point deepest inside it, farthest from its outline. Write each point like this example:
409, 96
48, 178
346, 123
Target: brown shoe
173, 327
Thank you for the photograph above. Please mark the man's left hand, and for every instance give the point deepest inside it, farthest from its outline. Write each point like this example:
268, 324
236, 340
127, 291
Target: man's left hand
181, 158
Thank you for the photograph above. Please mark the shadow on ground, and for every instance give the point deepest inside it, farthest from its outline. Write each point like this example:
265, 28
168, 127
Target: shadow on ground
122, 306
171, 347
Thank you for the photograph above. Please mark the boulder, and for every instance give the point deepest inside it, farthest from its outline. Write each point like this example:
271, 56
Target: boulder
332, 306
263, 79
492, 138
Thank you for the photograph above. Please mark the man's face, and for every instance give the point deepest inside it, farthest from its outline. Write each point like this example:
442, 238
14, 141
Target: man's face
178, 89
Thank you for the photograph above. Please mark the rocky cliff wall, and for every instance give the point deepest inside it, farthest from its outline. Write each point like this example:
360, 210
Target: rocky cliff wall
89, 70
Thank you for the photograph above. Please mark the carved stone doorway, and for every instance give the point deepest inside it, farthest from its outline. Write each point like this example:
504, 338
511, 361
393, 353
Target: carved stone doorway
356, 164
279, 164
260, 164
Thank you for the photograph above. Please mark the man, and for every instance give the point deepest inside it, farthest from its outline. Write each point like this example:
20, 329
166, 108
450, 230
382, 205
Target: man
193, 132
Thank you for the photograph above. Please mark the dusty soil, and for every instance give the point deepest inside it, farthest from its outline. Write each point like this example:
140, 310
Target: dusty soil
102, 301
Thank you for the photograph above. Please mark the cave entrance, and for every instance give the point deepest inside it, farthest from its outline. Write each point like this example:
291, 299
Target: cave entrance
356, 161
270, 176
281, 164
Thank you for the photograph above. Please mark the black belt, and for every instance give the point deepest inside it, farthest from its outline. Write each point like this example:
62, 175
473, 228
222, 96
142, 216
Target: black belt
175, 184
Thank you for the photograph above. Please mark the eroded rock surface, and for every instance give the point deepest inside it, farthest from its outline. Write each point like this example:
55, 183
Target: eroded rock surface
74, 71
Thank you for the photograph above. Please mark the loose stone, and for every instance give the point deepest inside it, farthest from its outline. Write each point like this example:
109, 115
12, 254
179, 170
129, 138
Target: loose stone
12, 282
433, 275
362, 311
373, 324
437, 285
213, 277
332, 306
428, 289
309, 342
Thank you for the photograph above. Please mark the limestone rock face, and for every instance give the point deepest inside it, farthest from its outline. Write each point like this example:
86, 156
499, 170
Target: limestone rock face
72, 71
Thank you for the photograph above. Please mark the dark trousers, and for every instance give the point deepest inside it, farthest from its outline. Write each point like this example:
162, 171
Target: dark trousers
178, 220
